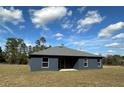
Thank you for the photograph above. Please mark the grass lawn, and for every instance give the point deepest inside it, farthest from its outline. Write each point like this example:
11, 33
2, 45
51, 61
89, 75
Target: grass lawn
20, 75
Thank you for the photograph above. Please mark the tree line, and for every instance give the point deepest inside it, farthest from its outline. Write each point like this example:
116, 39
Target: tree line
17, 52
113, 60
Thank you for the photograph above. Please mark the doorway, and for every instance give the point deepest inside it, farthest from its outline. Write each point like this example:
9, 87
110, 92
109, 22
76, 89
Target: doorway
67, 62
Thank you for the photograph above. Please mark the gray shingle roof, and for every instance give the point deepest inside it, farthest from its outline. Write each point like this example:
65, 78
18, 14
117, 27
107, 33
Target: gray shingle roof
63, 51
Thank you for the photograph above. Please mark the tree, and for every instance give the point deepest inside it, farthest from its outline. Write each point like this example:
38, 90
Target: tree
30, 49
0, 50
113, 60
2, 58
42, 40
37, 42
11, 50
37, 48
40, 44
16, 51
23, 58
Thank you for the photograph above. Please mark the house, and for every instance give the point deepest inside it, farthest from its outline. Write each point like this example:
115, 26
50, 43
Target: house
60, 57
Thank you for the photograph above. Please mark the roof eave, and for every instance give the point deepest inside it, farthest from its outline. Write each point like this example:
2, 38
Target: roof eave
65, 55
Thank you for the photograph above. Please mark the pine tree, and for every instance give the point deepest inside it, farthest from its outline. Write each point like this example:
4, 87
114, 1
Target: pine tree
2, 58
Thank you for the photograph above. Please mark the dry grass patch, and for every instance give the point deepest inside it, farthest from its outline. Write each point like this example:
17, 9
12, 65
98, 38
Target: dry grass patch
20, 75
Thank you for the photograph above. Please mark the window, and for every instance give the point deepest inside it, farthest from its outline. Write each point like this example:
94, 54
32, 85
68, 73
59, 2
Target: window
85, 62
45, 63
99, 62
45, 59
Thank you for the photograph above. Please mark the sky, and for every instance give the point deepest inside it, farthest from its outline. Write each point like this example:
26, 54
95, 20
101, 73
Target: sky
99, 30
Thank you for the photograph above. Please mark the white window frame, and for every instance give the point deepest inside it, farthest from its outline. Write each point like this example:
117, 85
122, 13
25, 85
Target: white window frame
99, 62
85, 61
45, 62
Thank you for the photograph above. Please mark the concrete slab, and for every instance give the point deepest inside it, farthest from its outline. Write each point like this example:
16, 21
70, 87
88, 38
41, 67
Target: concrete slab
68, 70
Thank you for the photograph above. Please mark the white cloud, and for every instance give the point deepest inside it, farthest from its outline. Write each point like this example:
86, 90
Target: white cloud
97, 53
67, 25
46, 15
106, 32
4, 29
81, 9
69, 13
72, 40
59, 36
28, 42
47, 44
21, 26
118, 36
11, 15
110, 51
91, 18
81, 29
114, 45
79, 43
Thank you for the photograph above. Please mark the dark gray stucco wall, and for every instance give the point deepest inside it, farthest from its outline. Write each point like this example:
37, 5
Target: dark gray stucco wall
92, 64
36, 64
